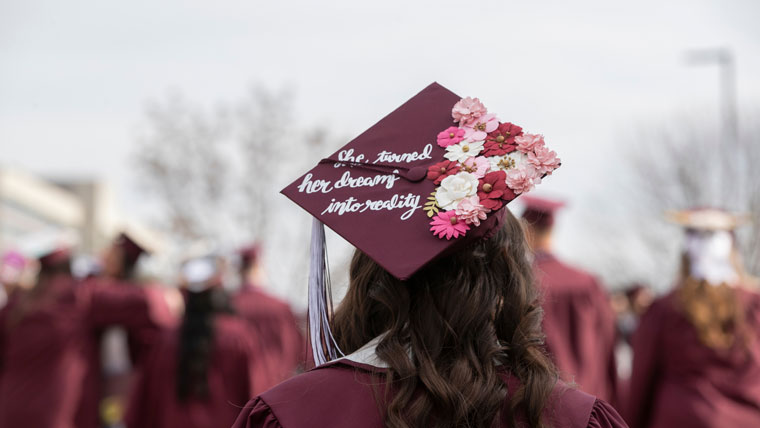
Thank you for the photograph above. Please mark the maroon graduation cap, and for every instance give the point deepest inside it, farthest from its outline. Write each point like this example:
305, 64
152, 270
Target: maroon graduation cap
540, 212
131, 248
429, 178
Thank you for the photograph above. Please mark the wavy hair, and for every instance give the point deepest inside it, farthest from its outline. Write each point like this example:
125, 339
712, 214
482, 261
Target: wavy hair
462, 317
715, 311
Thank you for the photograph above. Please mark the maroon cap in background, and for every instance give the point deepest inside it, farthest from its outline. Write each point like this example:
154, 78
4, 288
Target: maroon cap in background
132, 250
249, 254
380, 192
540, 212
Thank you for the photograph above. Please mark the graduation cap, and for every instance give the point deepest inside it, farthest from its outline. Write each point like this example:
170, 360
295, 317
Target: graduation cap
430, 178
707, 219
198, 272
249, 254
539, 212
709, 243
132, 247
51, 248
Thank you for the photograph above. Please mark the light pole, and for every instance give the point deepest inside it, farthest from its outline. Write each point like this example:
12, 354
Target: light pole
724, 58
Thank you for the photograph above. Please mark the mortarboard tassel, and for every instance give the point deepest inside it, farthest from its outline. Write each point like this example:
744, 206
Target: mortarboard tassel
320, 309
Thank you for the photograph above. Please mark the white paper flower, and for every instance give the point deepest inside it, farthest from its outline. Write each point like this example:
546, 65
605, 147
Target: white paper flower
508, 161
461, 151
454, 188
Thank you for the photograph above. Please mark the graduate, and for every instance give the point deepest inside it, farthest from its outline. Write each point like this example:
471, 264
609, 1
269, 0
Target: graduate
441, 325
696, 352
203, 371
120, 351
270, 318
579, 322
49, 342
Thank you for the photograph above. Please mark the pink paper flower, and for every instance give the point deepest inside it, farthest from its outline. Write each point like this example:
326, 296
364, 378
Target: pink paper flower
523, 179
467, 110
526, 143
477, 166
478, 130
450, 136
448, 225
471, 211
544, 160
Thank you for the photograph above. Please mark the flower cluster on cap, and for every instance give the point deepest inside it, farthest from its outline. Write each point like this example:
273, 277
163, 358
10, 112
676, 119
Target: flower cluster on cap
488, 163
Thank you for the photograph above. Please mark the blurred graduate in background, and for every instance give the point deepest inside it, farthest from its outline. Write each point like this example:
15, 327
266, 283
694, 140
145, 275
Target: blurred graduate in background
202, 372
50, 340
578, 319
696, 352
271, 319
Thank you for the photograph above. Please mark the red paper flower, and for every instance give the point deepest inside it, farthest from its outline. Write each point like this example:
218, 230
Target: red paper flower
442, 170
502, 140
493, 190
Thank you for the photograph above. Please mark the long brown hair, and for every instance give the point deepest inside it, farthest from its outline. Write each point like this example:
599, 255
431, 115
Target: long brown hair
461, 317
715, 311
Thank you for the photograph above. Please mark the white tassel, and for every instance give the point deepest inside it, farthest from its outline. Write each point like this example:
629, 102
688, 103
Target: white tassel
323, 344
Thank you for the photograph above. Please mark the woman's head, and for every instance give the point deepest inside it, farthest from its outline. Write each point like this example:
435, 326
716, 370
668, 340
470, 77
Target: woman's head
460, 316
710, 271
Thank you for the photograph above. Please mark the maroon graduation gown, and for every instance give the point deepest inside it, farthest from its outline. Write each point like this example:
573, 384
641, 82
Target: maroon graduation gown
233, 377
679, 382
274, 325
579, 325
47, 358
341, 394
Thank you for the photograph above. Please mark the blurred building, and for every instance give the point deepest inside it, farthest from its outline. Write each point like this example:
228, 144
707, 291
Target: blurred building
31, 204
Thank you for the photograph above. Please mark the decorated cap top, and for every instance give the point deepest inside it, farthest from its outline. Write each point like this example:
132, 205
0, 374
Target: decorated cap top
430, 177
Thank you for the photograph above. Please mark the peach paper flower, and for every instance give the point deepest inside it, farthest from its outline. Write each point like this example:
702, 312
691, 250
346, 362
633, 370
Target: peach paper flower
471, 211
523, 179
544, 160
529, 142
477, 166
480, 127
448, 225
467, 110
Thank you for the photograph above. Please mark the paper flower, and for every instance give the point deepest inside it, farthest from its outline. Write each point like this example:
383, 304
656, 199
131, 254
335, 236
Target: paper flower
526, 143
442, 170
477, 166
544, 160
507, 162
467, 110
450, 136
502, 140
461, 151
523, 179
492, 190
471, 211
454, 188
447, 224
480, 127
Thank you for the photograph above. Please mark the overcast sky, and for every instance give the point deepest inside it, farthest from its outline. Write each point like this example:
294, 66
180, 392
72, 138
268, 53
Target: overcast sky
75, 75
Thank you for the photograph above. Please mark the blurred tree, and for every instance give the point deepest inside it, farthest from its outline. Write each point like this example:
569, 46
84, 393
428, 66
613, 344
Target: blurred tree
215, 174
180, 162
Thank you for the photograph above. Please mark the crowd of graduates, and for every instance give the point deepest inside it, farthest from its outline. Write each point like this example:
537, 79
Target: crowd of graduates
194, 353
198, 352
